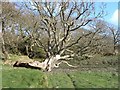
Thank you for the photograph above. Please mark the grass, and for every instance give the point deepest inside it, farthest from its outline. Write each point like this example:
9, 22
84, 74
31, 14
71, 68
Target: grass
59, 80
94, 80
14, 77
0, 74
30, 78
22, 78
13, 57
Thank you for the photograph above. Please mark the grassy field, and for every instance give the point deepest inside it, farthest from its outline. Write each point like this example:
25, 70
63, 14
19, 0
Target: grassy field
14, 77
0, 74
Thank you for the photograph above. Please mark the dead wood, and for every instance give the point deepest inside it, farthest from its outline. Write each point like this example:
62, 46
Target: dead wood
26, 65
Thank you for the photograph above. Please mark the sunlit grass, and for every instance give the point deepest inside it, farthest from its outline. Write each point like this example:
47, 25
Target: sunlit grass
94, 79
23, 78
59, 80
31, 78
13, 57
17, 77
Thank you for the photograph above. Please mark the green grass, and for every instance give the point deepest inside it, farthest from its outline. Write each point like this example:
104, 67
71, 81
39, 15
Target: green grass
31, 78
94, 80
23, 78
14, 77
13, 57
0, 74
59, 80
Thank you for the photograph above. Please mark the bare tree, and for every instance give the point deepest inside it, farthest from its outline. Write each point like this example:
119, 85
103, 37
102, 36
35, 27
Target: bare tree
53, 26
90, 44
7, 14
115, 33
11, 34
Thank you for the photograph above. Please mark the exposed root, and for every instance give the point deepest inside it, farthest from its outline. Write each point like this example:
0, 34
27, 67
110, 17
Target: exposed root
66, 63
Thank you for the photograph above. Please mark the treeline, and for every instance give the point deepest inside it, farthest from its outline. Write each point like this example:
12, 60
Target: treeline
21, 31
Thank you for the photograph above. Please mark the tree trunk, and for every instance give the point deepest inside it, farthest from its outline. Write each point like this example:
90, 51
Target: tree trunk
47, 65
3, 43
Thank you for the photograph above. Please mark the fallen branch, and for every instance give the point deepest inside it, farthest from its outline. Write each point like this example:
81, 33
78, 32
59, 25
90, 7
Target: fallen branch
33, 64
66, 63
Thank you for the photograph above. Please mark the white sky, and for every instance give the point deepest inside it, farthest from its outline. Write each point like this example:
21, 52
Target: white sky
114, 18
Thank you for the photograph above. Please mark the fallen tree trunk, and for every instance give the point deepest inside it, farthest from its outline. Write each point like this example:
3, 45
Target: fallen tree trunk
47, 65
24, 64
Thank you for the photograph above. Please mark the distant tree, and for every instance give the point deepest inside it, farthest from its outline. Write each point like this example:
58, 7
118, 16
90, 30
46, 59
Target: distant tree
115, 34
11, 28
92, 43
8, 12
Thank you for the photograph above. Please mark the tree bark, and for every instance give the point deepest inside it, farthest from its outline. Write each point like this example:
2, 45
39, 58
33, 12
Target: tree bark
3, 42
47, 65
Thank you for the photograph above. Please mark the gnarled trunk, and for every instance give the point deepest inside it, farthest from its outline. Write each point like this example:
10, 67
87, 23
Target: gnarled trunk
55, 36
6, 56
47, 65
